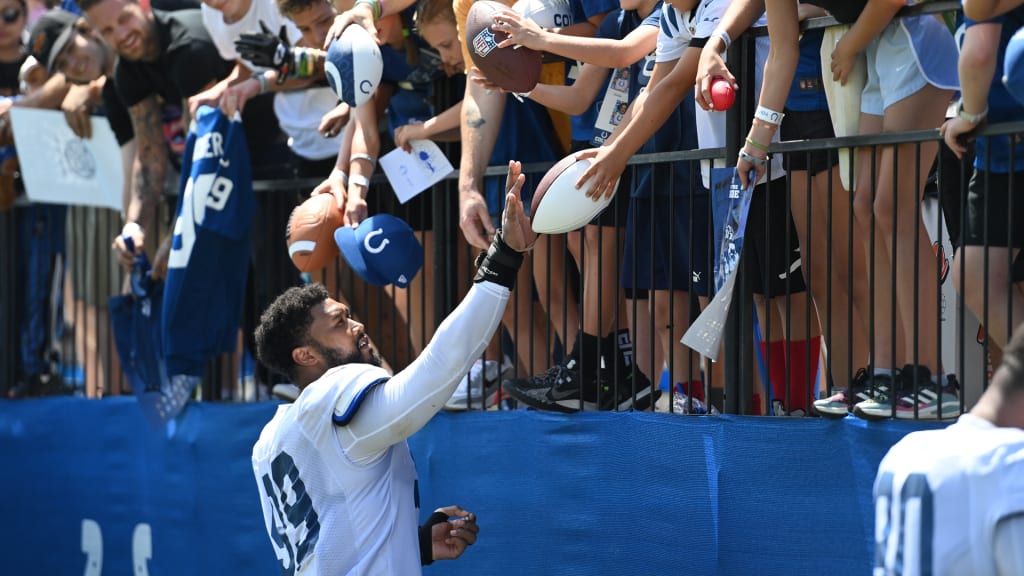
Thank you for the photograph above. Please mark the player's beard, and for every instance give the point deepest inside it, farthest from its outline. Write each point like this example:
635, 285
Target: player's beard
334, 357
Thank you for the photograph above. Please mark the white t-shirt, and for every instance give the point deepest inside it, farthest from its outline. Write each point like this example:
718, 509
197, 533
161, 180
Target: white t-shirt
677, 29
940, 493
298, 111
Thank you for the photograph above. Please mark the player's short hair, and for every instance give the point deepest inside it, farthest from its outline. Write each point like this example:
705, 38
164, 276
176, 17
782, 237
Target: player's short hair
1010, 374
428, 11
284, 326
291, 7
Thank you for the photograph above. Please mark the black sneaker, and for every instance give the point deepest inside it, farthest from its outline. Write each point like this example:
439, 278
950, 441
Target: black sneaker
841, 402
557, 389
622, 398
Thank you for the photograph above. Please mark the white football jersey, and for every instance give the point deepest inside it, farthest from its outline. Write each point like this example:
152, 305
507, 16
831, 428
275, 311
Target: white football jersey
325, 513
939, 495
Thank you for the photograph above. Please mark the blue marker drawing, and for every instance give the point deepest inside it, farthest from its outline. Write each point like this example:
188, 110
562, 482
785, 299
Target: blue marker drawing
426, 160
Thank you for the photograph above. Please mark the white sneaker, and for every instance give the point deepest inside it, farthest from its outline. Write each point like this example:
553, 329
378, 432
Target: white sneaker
481, 387
681, 405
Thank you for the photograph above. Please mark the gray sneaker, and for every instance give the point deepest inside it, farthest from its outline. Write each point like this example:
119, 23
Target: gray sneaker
480, 388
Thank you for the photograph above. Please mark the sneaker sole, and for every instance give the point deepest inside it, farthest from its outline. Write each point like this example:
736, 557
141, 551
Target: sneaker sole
644, 400
531, 401
950, 409
834, 413
872, 414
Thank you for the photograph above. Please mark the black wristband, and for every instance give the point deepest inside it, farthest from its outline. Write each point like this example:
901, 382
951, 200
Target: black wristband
426, 541
499, 264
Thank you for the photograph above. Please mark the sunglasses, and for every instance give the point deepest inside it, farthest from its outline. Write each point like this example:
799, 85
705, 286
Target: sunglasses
10, 15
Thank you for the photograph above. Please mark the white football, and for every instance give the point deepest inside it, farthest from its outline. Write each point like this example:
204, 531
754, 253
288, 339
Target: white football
557, 206
354, 66
546, 13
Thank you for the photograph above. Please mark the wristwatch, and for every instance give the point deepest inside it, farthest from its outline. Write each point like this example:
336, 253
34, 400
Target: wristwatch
967, 117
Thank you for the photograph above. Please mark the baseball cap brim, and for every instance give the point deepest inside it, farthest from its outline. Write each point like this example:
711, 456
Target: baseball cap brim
345, 238
58, 46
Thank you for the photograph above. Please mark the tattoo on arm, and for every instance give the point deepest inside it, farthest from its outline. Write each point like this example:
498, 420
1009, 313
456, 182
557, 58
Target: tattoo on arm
150, 165
475, 122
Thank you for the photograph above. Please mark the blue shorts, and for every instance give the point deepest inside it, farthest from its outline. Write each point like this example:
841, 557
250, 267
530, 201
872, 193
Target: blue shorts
909, 54
662, 251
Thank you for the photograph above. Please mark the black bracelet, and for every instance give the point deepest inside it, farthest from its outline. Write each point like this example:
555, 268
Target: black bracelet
426, 539
499, 264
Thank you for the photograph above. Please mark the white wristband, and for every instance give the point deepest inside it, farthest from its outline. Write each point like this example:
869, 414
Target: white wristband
768, 115
131, 228
721, 33
360, 180
338, 173
264, 84
367, 157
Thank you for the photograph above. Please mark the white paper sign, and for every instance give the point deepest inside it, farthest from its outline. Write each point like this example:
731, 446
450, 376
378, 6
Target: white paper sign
413, 172
58, 167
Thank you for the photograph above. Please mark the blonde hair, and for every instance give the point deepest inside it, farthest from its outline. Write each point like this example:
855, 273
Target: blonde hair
430, 11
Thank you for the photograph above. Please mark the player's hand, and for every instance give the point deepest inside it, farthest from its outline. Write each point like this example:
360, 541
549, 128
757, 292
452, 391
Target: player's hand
516, 230
355, 208
334, 121
450, 539
521, 31
361, 15
334, 186
125, 256
77, 107
711, 66
412, 131
843, 60
475, 219
266, 50
957, 133
163, 253
606, 167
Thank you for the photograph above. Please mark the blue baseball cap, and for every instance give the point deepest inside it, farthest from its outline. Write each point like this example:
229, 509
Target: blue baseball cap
1013, 66
382, 250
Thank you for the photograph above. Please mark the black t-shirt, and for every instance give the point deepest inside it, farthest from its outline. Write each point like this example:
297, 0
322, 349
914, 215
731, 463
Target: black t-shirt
117, 113
845, 11
9, 83
188, 62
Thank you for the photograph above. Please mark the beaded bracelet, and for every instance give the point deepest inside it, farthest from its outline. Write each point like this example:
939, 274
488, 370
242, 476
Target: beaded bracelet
757, 145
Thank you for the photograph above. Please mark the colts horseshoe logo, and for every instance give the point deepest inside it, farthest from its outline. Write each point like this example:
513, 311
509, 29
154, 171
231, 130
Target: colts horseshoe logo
366, 86
375, 249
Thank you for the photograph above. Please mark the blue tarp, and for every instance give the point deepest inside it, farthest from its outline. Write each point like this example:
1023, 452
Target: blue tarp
591, 493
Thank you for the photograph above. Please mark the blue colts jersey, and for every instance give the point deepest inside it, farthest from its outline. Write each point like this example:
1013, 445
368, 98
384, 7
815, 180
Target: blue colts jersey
209, 258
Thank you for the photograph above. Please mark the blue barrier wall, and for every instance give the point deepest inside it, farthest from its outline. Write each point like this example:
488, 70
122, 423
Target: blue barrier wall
594, 493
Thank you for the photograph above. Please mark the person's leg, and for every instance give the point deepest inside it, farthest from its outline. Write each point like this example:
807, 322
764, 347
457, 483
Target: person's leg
549, 273
902, 173
994, 284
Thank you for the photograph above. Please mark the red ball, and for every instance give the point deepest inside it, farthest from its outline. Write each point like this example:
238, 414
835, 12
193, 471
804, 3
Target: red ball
310, 233
722, 94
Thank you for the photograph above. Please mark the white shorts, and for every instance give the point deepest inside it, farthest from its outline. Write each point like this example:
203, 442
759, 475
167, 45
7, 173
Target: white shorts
909, 54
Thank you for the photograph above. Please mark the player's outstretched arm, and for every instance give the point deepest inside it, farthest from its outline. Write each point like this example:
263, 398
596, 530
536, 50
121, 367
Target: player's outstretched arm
399, 407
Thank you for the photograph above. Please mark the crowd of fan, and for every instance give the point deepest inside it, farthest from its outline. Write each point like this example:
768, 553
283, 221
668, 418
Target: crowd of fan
619, 293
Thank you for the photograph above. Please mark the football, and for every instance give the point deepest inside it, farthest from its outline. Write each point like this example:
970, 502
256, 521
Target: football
354, 66
310, 233
557, 205
513, 69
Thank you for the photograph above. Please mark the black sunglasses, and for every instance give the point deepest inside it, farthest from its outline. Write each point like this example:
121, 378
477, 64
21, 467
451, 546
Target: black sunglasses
10, 15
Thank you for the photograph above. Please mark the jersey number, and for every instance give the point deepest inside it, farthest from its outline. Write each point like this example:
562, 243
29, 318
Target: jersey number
205, 192
296, 524
904, 528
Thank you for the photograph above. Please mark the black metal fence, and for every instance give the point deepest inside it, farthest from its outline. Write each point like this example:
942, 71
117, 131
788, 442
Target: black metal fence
80, 358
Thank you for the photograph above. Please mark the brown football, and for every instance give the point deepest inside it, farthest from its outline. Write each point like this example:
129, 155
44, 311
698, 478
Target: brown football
310, 233
514, 69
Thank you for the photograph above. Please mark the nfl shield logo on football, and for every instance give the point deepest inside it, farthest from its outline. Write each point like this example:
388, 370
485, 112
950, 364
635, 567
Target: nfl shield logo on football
484, 43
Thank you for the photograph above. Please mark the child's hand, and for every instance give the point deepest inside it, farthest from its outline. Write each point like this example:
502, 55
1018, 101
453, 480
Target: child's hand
843, 60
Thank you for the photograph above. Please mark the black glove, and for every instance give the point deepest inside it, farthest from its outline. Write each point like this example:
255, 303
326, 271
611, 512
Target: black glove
265, 49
